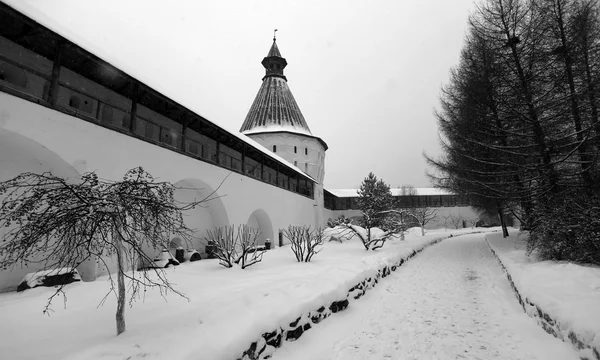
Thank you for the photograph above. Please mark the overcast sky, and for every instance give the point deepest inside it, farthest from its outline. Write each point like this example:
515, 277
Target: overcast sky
366, 74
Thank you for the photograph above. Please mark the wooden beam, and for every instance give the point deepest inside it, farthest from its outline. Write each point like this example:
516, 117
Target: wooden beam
134, 104
52, 96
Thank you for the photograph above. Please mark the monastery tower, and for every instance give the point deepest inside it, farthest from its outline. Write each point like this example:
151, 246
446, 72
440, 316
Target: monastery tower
276, 122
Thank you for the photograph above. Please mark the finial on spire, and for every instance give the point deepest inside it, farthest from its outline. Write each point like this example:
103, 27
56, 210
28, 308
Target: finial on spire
274, 34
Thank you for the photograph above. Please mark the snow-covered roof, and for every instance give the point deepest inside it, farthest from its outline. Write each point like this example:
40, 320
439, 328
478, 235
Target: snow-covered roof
130, 69
275, 108
344, 193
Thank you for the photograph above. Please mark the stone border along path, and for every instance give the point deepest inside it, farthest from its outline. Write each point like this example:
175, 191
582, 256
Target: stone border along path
550, 325
268, 342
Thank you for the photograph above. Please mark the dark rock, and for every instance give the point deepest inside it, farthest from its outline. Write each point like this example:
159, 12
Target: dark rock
575, 340
295, 334
394, 268
273, 338
306, 326
275, 341
293, 324
316, 319
539, 311
52, 280
262, 350
338, 305
268, 336
321, 309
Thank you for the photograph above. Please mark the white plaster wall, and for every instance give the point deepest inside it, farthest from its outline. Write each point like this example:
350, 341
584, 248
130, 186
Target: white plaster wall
89, 147
285, 143
465, 212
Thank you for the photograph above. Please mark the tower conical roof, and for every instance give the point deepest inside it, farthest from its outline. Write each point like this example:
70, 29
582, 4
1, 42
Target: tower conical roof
274, 108
274, 50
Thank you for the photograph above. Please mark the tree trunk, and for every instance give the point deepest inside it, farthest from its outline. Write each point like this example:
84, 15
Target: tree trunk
120, 316
583, 152
422, 230
503, 223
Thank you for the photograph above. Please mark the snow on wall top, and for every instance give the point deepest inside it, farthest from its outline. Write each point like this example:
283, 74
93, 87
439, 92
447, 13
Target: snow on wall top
131, 70
343, 193
275, 108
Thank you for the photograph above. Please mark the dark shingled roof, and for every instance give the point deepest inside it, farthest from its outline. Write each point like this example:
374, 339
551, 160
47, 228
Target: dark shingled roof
274, 50
274, 108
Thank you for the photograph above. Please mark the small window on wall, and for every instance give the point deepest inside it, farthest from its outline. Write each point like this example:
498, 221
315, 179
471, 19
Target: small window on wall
193, 148
305, 167
75, 102
81, 103
306, 151
13, 75
295, 163
274, 148
107, 113
126, 121
166, 138
295, 150
149, 130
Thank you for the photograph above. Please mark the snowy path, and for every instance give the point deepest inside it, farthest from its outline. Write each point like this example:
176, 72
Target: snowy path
452, 301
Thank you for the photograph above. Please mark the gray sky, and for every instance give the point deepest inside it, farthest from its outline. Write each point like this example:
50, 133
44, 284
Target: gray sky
366, 74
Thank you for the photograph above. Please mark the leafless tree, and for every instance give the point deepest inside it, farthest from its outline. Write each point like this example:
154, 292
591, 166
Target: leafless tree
305, 241
424, 216
456, 220
62, 223
236, 245
472, 221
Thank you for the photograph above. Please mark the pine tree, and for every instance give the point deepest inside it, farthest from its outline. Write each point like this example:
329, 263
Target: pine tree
374, 197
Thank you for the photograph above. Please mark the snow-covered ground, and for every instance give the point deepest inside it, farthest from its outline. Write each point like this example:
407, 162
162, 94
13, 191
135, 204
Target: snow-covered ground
227, 308
568, 293
453, 301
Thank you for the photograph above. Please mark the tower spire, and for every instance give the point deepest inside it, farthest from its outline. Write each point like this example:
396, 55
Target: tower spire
274, 63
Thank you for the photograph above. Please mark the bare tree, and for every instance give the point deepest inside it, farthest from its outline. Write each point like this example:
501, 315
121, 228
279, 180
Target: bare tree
305, 241
472, 221
61, 223
424, 216
236, 245
456, 220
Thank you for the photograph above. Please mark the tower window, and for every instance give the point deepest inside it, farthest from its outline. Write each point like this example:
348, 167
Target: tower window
306, 151
75, 102
295, 150
305, 167
295, 163
274, 148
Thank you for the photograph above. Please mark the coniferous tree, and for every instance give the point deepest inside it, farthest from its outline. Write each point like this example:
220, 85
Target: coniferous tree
519, 120
374, 197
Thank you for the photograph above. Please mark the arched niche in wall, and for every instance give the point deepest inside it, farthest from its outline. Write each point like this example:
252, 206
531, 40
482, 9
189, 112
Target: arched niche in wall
20, 154
207, 216
260, 220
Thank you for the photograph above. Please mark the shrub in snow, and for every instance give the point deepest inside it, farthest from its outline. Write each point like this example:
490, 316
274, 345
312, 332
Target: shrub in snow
342, 219
65, 222
305, 241
54, 277
566, 227
372, 238
338, 233
236, 245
